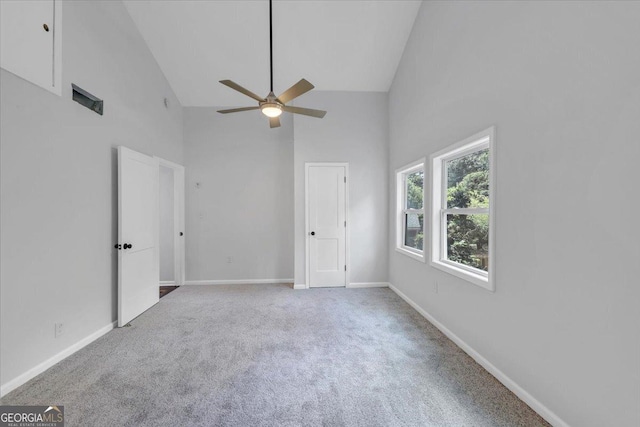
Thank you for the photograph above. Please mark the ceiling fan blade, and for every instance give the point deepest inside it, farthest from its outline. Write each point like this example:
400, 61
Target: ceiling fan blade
236, 110
306, 111
295, 91
274, 122
240, 89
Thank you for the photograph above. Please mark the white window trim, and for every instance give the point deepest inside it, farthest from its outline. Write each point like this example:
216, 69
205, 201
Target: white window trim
479, 141
401, 210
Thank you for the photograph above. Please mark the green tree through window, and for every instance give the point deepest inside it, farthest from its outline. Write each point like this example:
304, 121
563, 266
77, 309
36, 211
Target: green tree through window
414, 234
468, 187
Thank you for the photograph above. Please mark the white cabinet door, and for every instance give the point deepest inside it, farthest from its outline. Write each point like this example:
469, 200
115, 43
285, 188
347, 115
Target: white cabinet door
30, 41
327, 227
138, 218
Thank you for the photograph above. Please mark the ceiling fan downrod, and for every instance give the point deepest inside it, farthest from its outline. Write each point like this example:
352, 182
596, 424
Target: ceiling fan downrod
271, 45
272, 106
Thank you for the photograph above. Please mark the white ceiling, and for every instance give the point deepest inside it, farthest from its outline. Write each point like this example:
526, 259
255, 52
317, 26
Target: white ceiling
335, 44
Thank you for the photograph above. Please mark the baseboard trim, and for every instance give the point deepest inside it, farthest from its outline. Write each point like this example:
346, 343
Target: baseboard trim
37, 370
535, 404
167, 283
368, 285
236, 282
353, 285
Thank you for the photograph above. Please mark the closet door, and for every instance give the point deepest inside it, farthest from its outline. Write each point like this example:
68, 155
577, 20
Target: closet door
327, 222
30, 41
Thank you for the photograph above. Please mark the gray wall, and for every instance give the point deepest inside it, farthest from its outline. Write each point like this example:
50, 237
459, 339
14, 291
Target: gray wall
354, 130
561, 81
58, 182
243, 208
167, 232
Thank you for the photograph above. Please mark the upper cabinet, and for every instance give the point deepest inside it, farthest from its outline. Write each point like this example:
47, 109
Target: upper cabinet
31, 41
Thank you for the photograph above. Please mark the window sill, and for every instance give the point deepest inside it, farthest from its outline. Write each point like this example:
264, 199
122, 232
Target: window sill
476, 279
411, 254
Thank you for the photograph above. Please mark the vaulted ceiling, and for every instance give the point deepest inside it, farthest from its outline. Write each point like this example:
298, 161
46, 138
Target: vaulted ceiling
335, 44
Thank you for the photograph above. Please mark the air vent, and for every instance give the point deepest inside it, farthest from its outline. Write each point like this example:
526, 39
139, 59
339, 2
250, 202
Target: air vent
83, 97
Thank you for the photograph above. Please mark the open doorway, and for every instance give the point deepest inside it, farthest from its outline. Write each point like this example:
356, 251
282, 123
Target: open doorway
171, 226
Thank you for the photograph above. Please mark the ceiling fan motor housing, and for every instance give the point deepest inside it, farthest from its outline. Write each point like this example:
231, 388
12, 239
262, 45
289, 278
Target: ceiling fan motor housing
271, 107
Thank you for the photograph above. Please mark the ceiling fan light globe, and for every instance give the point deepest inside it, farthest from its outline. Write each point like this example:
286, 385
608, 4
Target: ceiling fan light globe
271, 110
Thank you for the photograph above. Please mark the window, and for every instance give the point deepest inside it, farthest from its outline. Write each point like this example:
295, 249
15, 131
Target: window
410, 222
462, 200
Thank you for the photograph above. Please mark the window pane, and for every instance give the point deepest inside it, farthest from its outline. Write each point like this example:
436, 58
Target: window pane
468, 240
413, 234
468, 181
415, 182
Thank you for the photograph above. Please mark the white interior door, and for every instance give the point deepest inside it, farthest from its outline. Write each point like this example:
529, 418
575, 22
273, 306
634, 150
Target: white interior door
327, 215
138, 216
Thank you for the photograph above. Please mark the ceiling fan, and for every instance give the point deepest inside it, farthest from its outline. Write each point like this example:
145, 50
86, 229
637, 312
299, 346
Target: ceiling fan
273, 106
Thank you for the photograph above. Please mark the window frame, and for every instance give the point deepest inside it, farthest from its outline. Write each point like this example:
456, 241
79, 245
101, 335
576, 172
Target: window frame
402, 210
439, 211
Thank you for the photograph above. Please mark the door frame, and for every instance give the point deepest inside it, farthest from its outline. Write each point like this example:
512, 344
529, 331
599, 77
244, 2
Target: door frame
178, 220
307, 272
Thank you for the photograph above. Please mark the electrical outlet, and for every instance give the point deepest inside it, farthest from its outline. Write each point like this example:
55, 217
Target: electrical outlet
229, 259
59, 329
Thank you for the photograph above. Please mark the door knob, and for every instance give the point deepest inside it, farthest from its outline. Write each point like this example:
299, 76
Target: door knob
117, 246
181, 233
313, 233
128, 245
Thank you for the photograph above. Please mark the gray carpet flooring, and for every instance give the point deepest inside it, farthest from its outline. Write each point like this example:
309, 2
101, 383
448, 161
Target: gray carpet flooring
266, 355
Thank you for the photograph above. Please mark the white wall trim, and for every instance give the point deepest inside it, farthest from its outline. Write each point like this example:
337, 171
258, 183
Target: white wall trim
178, 219
38, 369
368, 285
167, 283
411, 254
236, 281
535, 404
300, 286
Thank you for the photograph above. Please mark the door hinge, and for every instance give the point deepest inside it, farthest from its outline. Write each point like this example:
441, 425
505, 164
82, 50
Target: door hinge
345, 268
345, 223
345, 179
